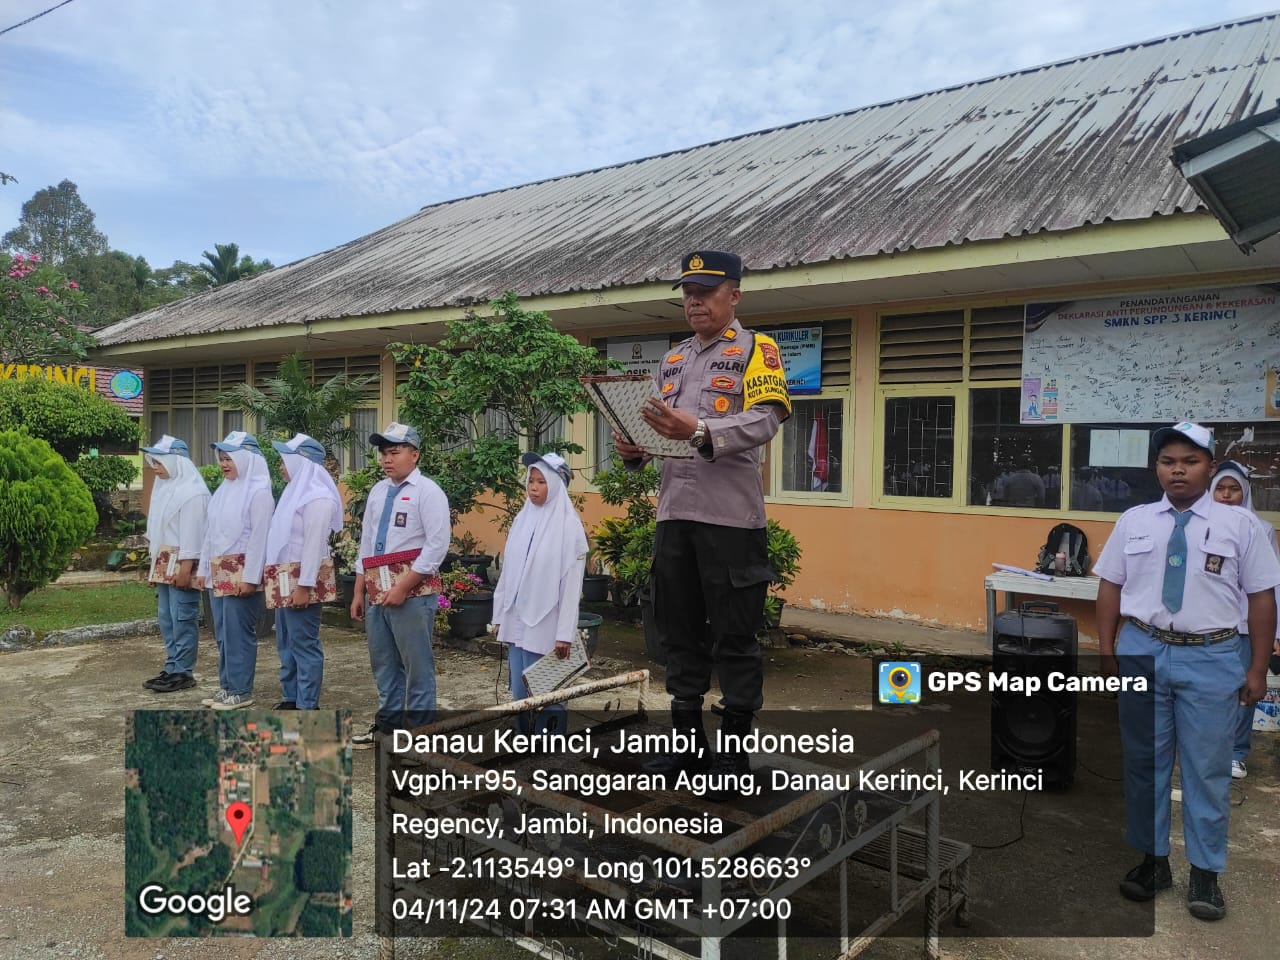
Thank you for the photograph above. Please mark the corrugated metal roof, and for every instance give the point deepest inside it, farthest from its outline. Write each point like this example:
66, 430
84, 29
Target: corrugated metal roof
1051, 148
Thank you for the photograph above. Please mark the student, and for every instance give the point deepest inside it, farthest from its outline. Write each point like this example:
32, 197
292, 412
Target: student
1179, 571
238, 518
406, 513
535, 605
176, 518
1231, 486
310, 510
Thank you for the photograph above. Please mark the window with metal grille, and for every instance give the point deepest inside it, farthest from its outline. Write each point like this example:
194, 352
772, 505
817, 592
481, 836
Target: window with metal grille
813, 446
919, 446
1007, 464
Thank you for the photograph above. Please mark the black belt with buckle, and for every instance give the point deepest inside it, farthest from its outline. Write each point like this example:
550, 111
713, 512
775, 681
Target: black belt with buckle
1184, 639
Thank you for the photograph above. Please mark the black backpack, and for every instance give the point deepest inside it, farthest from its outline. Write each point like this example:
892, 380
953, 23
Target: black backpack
1071, 542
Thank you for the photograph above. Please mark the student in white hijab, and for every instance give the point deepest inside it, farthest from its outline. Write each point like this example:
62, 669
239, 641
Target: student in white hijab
1231, 486
236, 534
310, 510
175, 518
535, 605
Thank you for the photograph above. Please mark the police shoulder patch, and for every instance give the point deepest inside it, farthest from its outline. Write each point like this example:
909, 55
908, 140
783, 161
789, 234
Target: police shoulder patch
765, 381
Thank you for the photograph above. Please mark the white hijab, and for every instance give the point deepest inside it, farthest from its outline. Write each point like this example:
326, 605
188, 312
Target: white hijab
1229, 468
544, 543
308, 481
229, 508
171, 495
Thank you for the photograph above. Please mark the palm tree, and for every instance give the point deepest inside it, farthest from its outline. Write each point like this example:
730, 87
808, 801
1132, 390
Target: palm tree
291, 402
226, 265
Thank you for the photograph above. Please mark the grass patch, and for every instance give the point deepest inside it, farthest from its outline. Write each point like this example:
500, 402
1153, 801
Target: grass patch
59, 608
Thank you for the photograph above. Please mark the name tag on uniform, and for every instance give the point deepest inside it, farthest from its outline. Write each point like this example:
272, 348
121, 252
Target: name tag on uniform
402, 519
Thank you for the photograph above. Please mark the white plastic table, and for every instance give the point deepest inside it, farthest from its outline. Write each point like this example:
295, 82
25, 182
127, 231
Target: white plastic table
1072, 588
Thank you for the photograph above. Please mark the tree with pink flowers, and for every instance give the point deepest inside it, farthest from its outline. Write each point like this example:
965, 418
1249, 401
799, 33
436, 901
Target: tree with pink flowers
39, 313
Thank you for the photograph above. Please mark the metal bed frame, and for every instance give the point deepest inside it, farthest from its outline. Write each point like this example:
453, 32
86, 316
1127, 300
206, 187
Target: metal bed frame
836, 829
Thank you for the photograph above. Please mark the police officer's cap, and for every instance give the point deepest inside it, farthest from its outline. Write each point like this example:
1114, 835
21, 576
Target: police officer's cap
709, 268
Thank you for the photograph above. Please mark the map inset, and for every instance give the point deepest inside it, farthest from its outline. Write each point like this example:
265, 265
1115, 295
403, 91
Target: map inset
288, 874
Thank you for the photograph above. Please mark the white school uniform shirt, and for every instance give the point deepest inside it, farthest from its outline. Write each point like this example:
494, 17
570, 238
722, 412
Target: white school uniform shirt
308, 542
419, 520
1135, 558
252, 540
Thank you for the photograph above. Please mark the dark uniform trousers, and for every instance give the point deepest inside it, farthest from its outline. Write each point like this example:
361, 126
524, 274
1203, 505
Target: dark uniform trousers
709, 586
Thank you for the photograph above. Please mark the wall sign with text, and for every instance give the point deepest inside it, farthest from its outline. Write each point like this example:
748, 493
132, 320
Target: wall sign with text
1199, 355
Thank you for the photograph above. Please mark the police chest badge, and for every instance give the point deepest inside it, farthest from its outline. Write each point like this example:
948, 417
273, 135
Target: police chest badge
1213, 563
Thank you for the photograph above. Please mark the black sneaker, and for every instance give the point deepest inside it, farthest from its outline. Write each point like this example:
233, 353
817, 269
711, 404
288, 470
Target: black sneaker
1204, 896
285, 705
173, 683
160, 677
1147, 879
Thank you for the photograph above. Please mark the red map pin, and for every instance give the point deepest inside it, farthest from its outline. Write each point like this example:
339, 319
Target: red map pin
238, 817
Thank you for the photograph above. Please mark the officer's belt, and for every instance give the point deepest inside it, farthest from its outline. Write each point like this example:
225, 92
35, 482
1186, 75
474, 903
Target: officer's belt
1184, 639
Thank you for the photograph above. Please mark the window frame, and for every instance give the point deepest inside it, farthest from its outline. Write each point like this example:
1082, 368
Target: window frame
773, 458
961, 391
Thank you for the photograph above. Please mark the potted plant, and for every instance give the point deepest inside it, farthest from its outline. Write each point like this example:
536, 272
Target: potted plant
345, 546
784, 557
471, 556
595, 582
464, 605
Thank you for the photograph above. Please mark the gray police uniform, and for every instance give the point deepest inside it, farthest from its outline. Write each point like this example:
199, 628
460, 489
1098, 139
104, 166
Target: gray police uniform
711, 568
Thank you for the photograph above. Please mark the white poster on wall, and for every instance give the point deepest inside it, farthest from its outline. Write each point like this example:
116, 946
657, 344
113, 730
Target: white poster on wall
1200, 355
638, 354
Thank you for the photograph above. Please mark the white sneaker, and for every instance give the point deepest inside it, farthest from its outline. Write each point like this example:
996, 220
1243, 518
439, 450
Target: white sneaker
364, 740
1238, 770
216, 698
233, 701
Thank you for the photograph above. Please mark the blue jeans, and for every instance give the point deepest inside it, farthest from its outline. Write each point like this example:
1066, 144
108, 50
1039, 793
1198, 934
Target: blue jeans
301, 655
179, 613
404, 667
1190, 709
235, 627
1244, 722
518, 661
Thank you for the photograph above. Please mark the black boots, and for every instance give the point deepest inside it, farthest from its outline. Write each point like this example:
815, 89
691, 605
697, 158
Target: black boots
732, 765
686, 718
1204, 896
1147, 879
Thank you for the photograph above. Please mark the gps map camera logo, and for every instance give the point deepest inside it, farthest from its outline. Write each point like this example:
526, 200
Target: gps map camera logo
899, 682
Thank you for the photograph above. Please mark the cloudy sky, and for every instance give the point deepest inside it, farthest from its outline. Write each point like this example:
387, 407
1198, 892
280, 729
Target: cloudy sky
293, 127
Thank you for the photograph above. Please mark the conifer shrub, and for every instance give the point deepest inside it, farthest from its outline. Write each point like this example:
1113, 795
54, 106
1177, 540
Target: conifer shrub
46, 512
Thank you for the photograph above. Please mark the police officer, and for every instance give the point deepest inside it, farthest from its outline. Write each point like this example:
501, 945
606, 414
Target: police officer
1178, 571
725, 392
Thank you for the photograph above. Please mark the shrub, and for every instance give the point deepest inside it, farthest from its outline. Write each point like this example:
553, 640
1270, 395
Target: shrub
70, 418
46, 512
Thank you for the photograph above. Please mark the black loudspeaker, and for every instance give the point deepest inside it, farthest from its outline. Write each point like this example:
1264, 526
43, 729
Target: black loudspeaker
1034, 732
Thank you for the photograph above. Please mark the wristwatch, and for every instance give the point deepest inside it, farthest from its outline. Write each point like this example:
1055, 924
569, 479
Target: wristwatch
699, 437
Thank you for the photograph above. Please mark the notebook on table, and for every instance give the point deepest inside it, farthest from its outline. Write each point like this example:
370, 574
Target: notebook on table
552, 673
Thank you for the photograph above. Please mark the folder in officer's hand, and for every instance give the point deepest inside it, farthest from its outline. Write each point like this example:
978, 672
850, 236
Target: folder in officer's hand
619, 399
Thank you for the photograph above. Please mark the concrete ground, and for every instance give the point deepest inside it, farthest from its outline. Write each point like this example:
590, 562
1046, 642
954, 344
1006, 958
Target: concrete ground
61, 804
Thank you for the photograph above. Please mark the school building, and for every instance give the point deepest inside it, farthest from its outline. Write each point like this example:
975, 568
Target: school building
989, 296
